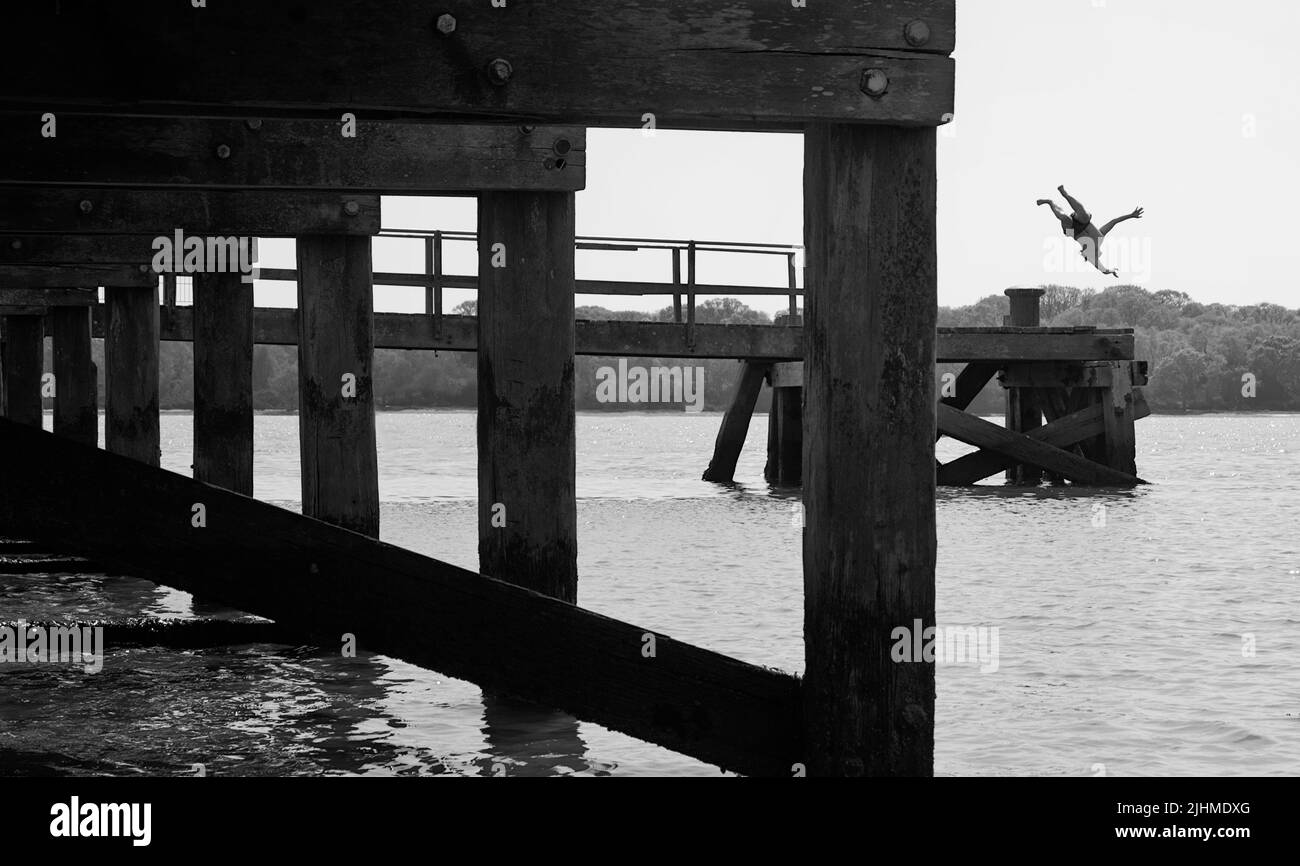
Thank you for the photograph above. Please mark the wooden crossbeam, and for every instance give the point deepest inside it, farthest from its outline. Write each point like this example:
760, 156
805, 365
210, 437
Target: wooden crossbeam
84, 276
326, 581
1062, 432
1022, 448
42, 249
258, 213
728, 64
48, 297
225, 153
1061, 374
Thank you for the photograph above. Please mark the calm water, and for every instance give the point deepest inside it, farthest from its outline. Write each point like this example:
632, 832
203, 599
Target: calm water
1120, 645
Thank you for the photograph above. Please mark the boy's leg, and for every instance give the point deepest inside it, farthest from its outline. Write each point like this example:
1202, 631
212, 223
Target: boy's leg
1080, 212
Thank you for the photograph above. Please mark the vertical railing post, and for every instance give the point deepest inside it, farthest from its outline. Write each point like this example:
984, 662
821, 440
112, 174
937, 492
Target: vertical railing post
437, 283
690, 294
677, 284
1023, 412
794, 284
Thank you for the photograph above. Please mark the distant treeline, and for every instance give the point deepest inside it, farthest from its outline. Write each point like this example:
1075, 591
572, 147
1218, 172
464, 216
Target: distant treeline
1198, 355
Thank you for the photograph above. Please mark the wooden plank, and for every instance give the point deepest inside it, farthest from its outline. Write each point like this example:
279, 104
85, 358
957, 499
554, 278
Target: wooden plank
1062, 374
39, 249
223, 381
24, 359
139, 276
735, 423
159, 212
131, 374
324, 580
76, 417
787, 375
1062, 432
731, 64
1025, 449
965, 346
336, 397
970, 382
527, 440
48, 297
228, 153
869, 403
23, 310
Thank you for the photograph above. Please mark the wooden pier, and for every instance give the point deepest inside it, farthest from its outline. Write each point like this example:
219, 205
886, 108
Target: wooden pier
248, 135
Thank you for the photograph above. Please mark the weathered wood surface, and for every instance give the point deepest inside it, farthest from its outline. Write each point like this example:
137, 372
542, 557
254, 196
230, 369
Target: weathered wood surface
869, 405
723, 65
321, 579
1022, 448
40, 249
1062, 432
735, 423
138, 276
131, 426
22, 365
76, 416
336, 418
48, 297
227, 153
223, 381
158, 212
1118, 414
527, 440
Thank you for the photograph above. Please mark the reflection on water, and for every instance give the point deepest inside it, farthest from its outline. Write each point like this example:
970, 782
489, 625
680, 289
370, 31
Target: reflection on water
1123, 617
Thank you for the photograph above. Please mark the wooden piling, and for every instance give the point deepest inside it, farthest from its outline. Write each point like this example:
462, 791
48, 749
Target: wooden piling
1023, 412
76, 415
869, 537
526, 423
735, 423
223, 381
784, 466
131, 331
336, 400
1119, 415
24, 357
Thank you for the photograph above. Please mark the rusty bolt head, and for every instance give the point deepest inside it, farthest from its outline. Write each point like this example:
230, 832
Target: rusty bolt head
254, 124
144, 269
223, 151
351, 208
549, 163
527, 130
562, 146
875, 83
446, 24
499, 71
917, 33
86, 205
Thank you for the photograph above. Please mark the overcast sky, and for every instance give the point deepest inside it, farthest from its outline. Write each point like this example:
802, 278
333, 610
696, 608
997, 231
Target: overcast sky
1188, 108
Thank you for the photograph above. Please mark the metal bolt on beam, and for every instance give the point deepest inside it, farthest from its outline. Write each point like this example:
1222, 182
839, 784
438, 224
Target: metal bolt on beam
917, 33
499, 71
446, 24
875, 83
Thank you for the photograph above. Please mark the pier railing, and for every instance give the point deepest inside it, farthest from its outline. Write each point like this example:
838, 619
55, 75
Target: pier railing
682, 260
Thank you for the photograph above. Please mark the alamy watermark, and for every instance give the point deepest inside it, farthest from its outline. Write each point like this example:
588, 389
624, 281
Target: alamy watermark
193, 254
38, 644
946, 645
651, 385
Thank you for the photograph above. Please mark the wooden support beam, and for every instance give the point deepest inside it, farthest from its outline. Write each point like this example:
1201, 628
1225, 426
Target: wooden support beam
1009, 345
735, 423
80, 250
869, 536
228, 153
1063, 432
131, 374
784, 466
76, 415
1025, 449
1063, 374
1118, 413
1023, 412
48, 298
138, 276
970, 382
158, 212
317, 578
223, 381
527, 452
336, 398
737, 65
24, 359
